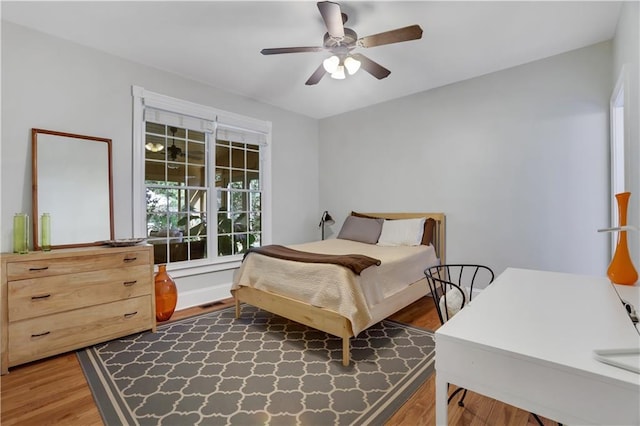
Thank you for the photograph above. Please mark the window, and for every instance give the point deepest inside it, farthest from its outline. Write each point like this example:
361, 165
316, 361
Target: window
238, 188
176, 192
201, 193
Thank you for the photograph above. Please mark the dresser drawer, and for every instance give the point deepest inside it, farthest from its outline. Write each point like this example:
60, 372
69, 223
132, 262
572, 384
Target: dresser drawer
45, 336
43, 267
35, 297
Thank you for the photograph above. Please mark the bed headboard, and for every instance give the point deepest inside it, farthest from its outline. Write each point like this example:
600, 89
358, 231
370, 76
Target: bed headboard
438, 238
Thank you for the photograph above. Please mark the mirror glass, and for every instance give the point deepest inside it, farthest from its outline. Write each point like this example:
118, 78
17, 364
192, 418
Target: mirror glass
72, 182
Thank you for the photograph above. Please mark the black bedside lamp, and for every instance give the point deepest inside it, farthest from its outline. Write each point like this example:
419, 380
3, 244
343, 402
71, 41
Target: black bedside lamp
326, 219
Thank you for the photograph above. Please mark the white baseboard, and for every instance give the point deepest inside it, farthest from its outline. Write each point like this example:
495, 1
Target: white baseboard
202, 296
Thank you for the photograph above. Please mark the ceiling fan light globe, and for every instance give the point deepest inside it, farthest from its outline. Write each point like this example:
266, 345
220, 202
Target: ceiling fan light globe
154, 147
331, 64
339, 73
352, 65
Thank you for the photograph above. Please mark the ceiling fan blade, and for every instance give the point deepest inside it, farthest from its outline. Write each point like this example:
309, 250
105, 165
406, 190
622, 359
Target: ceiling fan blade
316, 76
373, 68
332, 18
412, 32
278, 50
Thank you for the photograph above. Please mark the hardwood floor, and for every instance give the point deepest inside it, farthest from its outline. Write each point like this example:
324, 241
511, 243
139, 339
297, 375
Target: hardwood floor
54, 392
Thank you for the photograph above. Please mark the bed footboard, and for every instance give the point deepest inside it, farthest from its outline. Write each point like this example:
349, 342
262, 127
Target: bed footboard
303, 313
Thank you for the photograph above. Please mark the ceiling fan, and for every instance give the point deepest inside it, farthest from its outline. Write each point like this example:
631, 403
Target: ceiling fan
174, 151
341, 41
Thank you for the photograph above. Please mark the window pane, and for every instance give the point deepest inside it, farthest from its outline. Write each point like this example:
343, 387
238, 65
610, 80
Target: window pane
254, 201
156, 209
240, 243
182, 226
196, 136
178, 252
176, 150
156, 128
253, 179
255, 222
253, 160
238, 201
154, 147
240, 223
197, 200
254, 240
196, 153
237, 179
225, 246
160, 253
177, 132
237, 158
224, 224
173, 231
197, 226
174, 196
154, 171
198, 249
223, 177
175, 174
196, 176
223, 205
222, 156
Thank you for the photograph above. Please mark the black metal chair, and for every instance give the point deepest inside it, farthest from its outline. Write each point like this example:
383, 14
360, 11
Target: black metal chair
451, 289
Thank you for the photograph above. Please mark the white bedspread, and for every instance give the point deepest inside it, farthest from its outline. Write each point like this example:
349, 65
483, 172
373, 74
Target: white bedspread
334, 287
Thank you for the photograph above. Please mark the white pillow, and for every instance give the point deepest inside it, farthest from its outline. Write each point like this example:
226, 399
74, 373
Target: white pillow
454, 302
402, 232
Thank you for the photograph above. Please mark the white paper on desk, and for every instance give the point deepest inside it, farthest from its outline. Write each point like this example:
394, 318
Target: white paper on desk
627, 358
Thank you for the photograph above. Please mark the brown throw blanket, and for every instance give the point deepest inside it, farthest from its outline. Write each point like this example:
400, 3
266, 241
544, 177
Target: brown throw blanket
356, 262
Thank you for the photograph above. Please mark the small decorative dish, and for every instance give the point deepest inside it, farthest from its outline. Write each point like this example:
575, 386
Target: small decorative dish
124, 242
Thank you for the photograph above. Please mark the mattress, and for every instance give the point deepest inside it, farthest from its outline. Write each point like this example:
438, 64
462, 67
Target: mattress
335, 287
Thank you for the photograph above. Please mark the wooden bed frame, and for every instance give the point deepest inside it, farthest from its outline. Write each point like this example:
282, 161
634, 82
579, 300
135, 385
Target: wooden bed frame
327, 320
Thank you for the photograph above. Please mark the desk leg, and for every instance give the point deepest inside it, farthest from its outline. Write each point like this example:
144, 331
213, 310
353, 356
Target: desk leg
441, 401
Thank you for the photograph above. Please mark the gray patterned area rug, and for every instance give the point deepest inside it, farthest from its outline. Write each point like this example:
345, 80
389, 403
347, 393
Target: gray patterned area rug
214, 369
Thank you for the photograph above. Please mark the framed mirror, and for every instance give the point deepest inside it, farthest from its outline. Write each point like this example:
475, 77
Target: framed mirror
72, 181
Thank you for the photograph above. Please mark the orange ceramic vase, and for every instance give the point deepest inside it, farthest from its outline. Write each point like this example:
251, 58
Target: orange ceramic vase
166, 294
621, 269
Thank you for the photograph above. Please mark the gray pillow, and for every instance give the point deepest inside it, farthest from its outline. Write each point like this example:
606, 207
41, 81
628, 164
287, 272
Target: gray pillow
362, 229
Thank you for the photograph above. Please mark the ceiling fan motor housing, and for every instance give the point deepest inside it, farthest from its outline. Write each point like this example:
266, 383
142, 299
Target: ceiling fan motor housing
347, 43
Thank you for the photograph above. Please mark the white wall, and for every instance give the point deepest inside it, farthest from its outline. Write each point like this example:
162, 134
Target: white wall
52, 84
517, 160
626, 52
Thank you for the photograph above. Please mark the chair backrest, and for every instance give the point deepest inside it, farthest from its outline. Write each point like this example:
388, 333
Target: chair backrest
452, 285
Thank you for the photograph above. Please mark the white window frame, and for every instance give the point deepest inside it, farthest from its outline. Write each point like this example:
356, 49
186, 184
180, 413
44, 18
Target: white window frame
144, 98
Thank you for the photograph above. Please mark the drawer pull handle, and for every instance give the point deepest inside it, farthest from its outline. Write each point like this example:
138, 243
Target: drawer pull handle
129, 283
44, 296
43, 268
130, 259
40, 334
131, 314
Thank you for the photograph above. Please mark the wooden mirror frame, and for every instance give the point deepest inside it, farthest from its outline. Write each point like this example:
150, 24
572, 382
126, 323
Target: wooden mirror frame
35, 196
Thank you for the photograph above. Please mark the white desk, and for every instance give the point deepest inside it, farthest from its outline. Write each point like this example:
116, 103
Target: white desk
528, 340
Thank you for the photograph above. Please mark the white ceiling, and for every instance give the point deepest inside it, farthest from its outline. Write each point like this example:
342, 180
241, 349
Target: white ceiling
219, 43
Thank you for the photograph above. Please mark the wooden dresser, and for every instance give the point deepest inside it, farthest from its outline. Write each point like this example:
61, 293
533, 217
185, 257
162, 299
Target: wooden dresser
66, 299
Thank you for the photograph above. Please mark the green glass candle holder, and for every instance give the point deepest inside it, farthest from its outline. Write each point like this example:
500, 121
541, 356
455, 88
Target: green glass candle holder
21, 233
45, 232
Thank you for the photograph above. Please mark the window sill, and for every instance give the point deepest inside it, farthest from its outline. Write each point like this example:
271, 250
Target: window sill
197, 267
